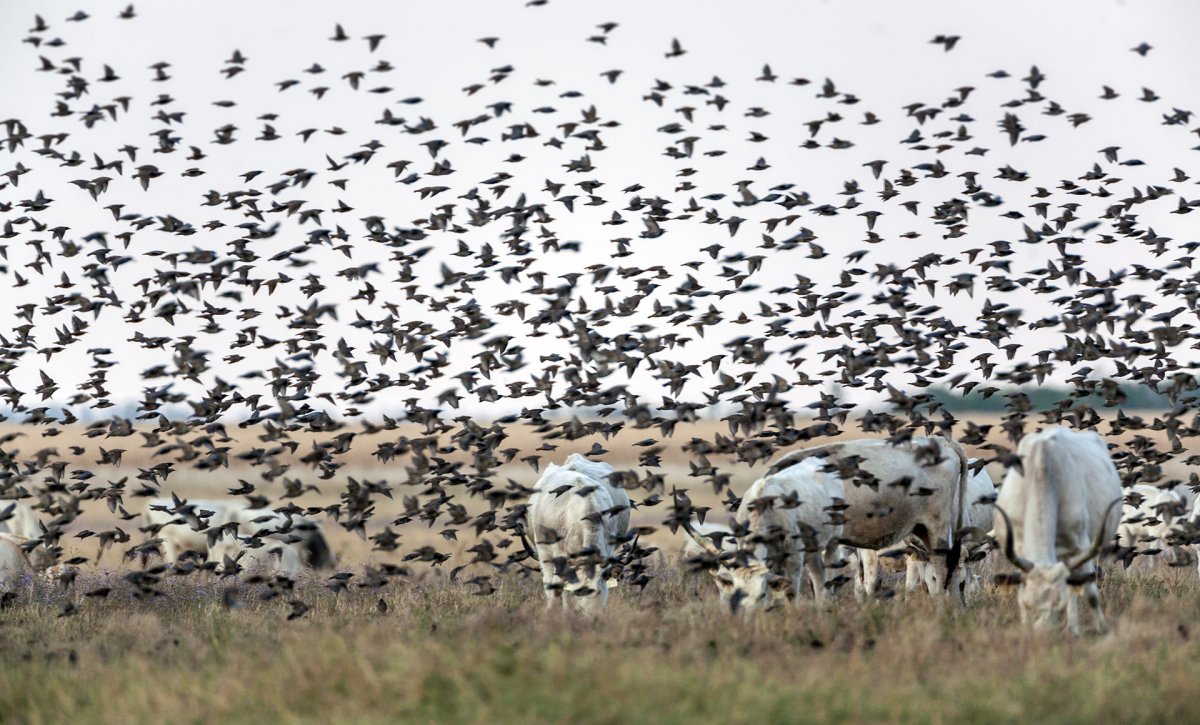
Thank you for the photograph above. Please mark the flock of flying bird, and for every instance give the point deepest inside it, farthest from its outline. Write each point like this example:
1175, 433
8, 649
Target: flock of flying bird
374, 313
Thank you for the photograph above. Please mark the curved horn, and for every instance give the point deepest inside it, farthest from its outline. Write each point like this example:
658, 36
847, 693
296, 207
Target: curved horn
1010, 551
1100, 539
702, 541
525, 542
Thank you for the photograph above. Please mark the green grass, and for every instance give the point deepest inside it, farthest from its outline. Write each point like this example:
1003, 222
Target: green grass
441, 654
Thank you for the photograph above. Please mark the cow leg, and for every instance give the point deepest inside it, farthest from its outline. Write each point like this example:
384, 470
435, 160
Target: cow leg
597, 602
946, 568
551, 582
1072, 611
551, 594
914, 574
170, 554
832, 558
870, 571
970, 581
815, 566
854, 569
927, 577
1092, 592
799, 583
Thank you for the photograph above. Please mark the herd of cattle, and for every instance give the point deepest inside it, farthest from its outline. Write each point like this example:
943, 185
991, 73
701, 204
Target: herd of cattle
848, 505
840, 506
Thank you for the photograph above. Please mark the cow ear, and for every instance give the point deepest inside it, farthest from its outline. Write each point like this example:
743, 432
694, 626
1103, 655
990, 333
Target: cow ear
1079, 579
1009, 578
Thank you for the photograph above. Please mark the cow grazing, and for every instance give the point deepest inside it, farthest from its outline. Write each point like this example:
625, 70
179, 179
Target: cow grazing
185, 526
917, 488
1148, 519
1054, 514
301, 532
787, 524
576, 518
233, 553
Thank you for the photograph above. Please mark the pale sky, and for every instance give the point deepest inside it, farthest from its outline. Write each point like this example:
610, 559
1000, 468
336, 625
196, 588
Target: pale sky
879, 51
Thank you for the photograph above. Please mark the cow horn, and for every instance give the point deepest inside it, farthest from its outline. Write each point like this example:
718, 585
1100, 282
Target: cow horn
968, 532
528, 547
1100, 539
702, 541
1010, 551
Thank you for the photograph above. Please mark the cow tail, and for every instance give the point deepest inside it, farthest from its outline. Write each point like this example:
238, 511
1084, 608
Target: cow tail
955, 553
320, 556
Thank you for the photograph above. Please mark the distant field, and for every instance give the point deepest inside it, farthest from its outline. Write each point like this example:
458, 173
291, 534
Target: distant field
669, 655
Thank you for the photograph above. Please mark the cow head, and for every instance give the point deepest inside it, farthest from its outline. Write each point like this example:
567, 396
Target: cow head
744, 581
1045, 589
749, 588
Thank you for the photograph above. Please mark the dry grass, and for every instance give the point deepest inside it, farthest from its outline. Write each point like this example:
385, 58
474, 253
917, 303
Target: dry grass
441, 654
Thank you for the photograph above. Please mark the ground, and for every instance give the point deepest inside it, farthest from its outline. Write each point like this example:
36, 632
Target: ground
440, 652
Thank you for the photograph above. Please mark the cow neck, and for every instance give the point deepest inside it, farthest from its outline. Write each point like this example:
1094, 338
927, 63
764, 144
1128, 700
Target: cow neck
1040, 531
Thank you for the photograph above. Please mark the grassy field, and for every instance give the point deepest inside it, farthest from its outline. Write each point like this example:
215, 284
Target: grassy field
667, 655
439, 651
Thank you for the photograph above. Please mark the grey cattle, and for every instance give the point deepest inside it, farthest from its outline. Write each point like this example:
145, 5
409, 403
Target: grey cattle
185, 526
1147, 527
17, 517
1053, 515
917, 488
787, 524
576, 518
13, 559
919, 571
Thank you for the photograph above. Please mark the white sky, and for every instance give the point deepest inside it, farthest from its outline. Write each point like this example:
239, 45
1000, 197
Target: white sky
879, 51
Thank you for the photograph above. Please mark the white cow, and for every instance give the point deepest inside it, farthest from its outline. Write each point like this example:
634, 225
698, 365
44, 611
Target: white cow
13, 559
575, 517
981, 492
271, 556
17, 517
187, 528
301, 532
1190, 529
917, 488
789, 522
1053, 516
1145, 528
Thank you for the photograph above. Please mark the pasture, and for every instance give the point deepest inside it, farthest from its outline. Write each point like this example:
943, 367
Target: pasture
439, 652
443, 648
